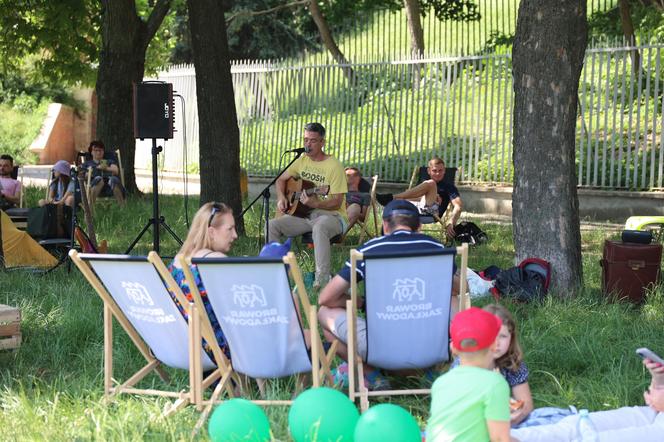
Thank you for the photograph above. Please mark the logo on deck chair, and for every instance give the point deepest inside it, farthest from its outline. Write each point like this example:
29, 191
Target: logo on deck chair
408, 289
137, 293
248, 296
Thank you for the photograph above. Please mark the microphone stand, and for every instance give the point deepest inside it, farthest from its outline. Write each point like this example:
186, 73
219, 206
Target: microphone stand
265, 194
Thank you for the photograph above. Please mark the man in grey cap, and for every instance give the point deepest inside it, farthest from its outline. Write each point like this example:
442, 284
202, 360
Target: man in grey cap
401, 223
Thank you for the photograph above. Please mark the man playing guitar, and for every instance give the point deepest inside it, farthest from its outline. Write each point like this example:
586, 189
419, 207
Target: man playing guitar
328, 217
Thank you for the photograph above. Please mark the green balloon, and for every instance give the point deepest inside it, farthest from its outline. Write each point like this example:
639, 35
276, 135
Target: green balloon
322, 415
239, 420
387, 423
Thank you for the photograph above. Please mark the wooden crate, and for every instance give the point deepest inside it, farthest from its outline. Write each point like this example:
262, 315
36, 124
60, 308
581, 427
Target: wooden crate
10, 327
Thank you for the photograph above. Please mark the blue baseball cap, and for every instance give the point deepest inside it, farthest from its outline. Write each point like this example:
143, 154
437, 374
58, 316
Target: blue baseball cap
400, 207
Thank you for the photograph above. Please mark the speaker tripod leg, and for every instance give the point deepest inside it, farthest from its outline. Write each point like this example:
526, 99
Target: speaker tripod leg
152, 222
162, 221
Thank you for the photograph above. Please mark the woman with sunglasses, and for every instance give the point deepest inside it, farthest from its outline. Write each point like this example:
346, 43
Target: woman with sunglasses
212, 234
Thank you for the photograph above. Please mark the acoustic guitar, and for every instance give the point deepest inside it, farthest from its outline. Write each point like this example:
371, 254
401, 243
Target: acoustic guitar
294, 188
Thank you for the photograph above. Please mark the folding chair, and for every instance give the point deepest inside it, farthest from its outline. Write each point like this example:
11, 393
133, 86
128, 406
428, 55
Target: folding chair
19, 215
252, 300
408, 300
420, 174
115, 156
134, 291
364, 225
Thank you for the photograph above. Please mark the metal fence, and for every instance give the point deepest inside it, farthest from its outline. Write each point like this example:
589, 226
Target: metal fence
397, 114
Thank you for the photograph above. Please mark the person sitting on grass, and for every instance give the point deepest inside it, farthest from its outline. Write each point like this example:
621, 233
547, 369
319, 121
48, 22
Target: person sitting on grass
105, 174
401, 223
437, 193
642, 424
358, 197
62, 188
471, 402
212, 234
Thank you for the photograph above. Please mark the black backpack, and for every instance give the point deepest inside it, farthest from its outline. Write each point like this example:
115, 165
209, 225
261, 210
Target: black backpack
526, 282
469, 232
50, 221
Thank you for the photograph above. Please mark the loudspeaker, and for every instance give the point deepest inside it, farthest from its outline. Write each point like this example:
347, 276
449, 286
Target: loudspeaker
153, 110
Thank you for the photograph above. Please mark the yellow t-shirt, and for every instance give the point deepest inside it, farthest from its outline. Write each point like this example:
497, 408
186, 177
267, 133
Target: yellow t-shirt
327, 172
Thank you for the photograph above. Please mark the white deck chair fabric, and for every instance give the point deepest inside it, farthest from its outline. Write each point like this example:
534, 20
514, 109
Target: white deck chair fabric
139, 291
252, 300
408, 299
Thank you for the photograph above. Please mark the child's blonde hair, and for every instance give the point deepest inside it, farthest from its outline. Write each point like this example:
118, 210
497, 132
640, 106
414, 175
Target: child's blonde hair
198, 238
514, 356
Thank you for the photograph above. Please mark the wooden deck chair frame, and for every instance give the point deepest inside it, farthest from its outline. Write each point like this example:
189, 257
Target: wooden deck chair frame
19, 176
444, 220
88, 181
357, 390
321, 371
197, 330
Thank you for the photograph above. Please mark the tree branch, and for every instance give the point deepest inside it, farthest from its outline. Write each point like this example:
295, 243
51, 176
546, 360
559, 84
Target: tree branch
156, 18
265, 11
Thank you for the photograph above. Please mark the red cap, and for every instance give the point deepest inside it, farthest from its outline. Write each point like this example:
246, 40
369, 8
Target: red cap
474, 323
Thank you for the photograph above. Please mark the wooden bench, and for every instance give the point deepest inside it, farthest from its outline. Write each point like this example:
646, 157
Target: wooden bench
10, 327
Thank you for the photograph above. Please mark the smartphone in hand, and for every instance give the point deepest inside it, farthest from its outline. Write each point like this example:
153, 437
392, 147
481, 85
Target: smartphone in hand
646, 353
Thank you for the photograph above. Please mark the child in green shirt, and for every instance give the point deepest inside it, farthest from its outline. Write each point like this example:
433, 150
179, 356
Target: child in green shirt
471, 402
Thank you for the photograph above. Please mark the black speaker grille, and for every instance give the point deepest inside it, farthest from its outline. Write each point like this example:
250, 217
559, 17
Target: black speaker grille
153, 110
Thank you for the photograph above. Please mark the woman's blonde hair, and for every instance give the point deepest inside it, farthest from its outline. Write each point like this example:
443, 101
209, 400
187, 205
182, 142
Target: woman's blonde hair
512, 359
198, 238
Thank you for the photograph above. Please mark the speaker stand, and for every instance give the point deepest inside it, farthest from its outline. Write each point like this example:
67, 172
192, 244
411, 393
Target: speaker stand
157, 220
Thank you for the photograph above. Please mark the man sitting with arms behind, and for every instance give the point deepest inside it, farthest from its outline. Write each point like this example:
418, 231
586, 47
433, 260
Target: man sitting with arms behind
438, 194
401, 222
328, 218
10, 189
358, 197
105, 173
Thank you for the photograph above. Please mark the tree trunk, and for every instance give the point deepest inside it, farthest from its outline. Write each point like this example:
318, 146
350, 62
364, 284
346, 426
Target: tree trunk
415, 27
628, 32
416, 37
219, 135
125, 38
328, 41
547, 59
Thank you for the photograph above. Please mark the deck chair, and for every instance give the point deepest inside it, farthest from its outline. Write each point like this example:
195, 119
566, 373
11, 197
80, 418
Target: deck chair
252, 300
17, 174
134, 291
115, 156
420, 174
364, 226
19, 215
408, 299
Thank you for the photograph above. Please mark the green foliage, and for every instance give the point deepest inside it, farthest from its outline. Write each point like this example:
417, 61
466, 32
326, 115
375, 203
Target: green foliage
63, 36
283, 33
24, 90
20, 122
52, 385
647, 20
456, 10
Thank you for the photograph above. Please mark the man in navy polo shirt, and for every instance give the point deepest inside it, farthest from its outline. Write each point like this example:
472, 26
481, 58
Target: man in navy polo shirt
437, 193
401, 223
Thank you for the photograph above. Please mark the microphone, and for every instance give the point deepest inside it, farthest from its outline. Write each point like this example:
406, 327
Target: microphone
304, 149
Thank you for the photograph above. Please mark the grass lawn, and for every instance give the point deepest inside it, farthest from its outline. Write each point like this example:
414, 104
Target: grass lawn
579, 351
